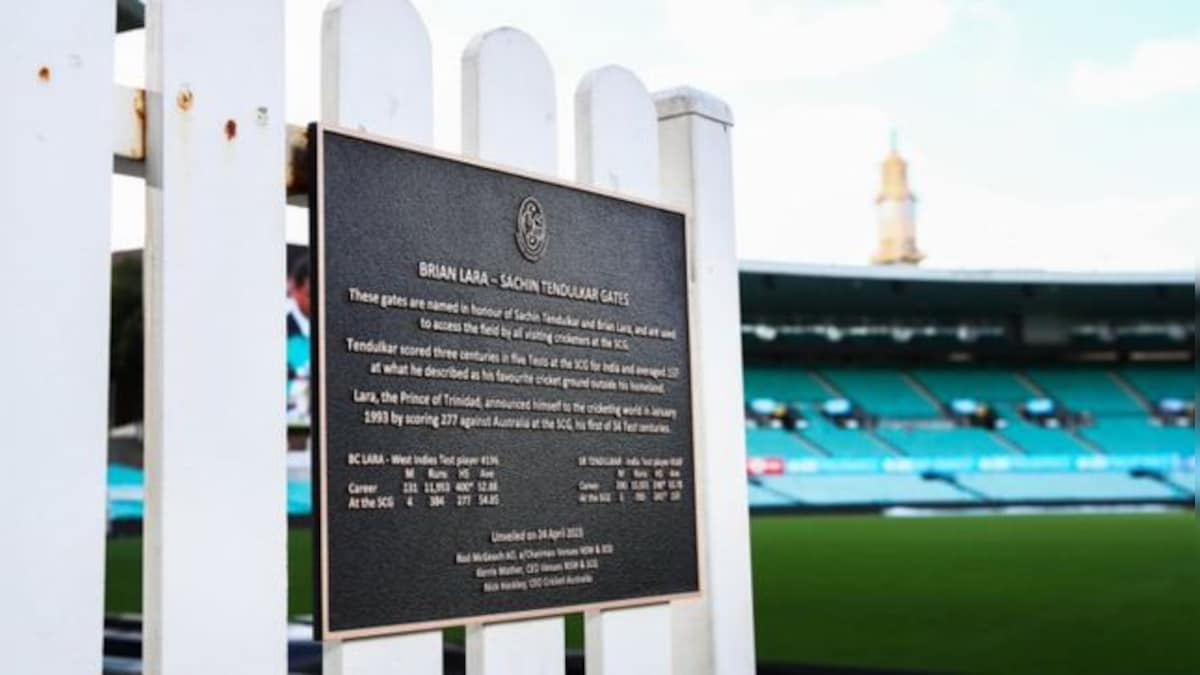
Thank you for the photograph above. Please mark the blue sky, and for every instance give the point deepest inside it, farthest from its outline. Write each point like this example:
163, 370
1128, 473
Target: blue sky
1058, 135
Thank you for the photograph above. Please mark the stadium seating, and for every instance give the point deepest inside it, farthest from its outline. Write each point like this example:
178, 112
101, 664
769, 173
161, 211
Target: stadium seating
842, 442
1065, 486
763, 497
907, 423
883, 392
775, 443
871, 489
1036, 440
1157, 383
1091, 390
979, 488
1184, 480
943, 442
986, 385
788, 385
1138, 435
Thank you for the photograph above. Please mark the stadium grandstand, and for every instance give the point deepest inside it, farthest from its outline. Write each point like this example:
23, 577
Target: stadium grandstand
878, 387
894, 386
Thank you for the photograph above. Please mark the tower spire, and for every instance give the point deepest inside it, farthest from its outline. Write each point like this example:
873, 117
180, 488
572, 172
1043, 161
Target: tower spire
897, 213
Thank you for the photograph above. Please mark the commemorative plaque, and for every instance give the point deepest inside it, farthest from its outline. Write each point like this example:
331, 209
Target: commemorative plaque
503, 418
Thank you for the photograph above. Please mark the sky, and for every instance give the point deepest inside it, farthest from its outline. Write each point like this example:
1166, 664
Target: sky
1040, 135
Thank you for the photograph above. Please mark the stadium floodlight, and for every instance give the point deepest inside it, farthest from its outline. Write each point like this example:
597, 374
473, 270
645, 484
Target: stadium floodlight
1178, 332
765, 332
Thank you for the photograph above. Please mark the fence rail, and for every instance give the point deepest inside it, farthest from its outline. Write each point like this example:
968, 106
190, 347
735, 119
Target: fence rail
209, 137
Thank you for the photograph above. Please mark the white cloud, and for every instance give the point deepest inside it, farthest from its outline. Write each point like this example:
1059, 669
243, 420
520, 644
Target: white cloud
805, 180
969, 226
764, 42
1157, 67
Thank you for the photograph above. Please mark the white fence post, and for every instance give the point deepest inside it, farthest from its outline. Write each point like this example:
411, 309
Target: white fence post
508, 117
377, 69
216, 523
508, 104
377, 76
714, 634
56, 62
616, 148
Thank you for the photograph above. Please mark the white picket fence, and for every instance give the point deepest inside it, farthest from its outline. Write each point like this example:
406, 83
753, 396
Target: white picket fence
210, 139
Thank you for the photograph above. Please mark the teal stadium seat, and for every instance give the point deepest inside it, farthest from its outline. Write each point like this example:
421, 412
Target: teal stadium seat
1089, 390
775, 443
1037, 440
764, 497
842, 442
1065, 486
786, 385
882, 392
1185, 480
1138, 435
945, 442
874, 489
1156, 383
981, 384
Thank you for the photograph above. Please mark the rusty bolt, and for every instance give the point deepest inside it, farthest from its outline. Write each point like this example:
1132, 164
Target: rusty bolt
44, 73
230, 130
184, 99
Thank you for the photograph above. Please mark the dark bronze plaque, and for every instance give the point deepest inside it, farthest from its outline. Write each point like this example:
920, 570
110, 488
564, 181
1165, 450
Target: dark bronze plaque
503, 419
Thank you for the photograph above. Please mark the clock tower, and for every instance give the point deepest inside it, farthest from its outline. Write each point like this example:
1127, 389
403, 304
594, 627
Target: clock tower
896, 207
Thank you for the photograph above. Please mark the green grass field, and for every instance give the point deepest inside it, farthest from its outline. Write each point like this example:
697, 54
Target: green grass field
1038, 594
